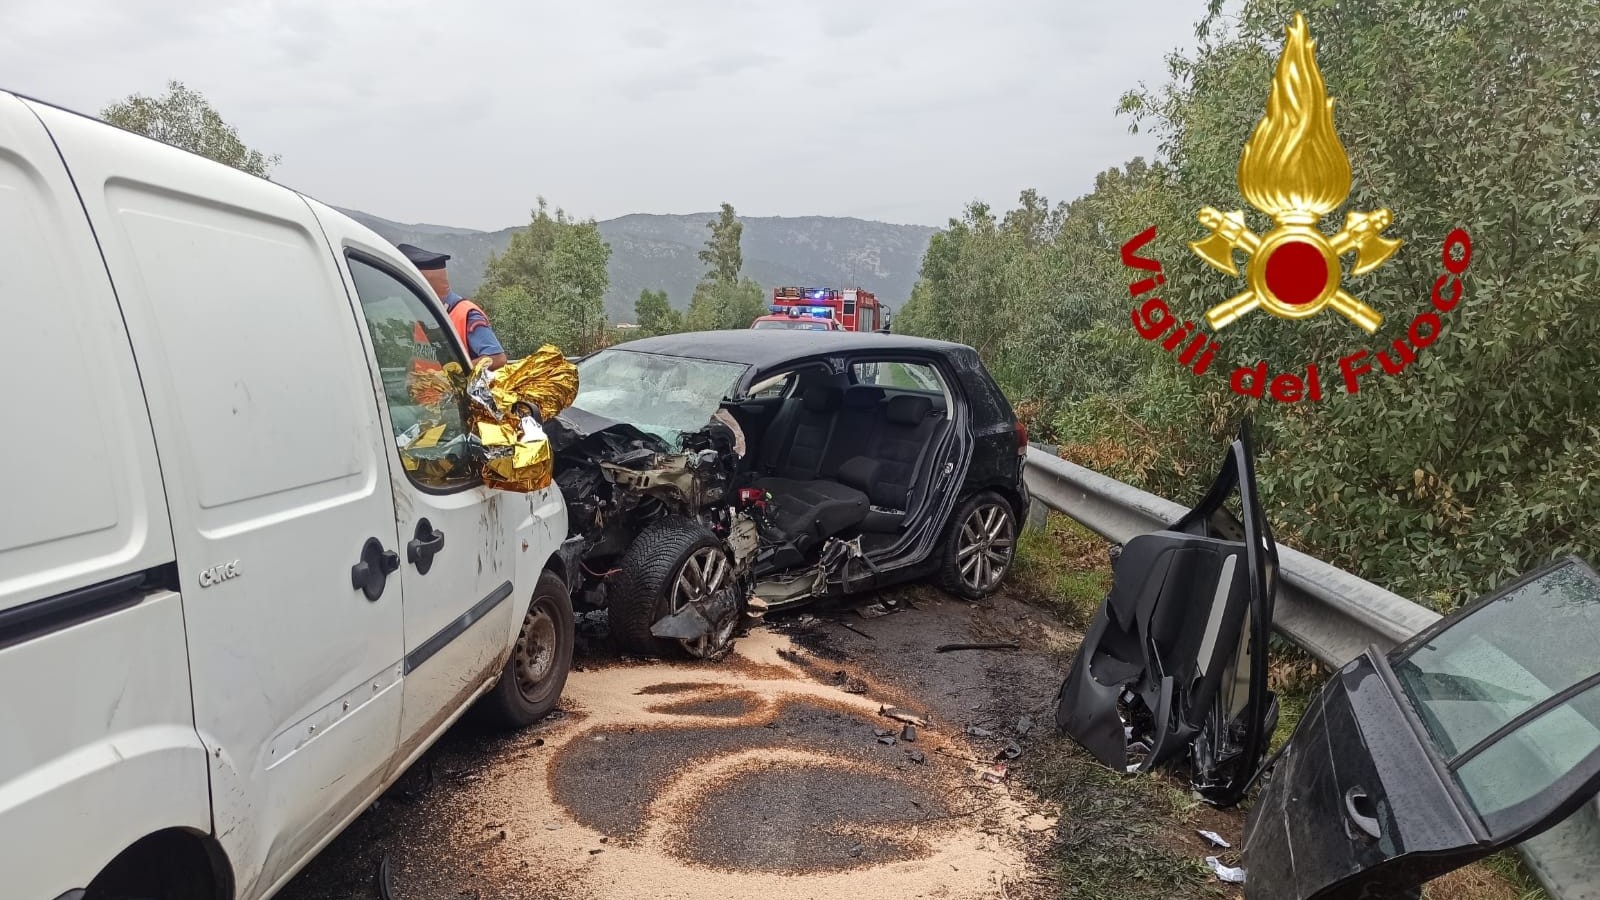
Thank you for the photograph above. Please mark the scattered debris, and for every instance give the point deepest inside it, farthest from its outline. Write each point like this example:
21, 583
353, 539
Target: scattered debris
596, 851
1010, 751
1225, 873
1024, 725
917, 756
882, 732
854, 629
976, 731
385, 878
887, 741
908, 732
900, 715
1002, 645
858, 849
1214, 838
553, 826
873, 611
993, 774
855, 686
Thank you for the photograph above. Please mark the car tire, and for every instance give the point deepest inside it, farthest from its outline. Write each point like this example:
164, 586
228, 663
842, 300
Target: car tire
530, 685
984, 525
644, 588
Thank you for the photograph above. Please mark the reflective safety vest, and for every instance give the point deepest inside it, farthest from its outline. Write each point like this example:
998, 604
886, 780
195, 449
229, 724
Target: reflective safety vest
458, 319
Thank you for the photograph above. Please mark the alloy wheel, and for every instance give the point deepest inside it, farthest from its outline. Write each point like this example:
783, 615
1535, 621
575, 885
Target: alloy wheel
701, 576
983, 553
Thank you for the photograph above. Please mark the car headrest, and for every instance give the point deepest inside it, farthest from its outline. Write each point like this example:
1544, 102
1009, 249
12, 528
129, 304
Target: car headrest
822, 398
907, 409
863, 396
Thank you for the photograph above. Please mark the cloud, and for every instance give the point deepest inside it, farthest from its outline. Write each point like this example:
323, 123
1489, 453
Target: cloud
464, 114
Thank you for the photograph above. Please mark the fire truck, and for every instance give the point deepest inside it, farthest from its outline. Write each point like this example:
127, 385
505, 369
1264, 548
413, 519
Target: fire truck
853, 309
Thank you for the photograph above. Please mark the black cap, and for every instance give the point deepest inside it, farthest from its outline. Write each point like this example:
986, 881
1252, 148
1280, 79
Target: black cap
424, 259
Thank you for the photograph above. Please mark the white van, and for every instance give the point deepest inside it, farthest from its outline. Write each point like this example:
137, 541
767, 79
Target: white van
229, 615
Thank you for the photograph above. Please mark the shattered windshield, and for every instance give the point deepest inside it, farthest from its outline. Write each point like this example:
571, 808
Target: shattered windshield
667, 396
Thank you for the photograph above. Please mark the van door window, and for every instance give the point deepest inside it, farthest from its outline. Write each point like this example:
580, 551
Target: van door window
408, 336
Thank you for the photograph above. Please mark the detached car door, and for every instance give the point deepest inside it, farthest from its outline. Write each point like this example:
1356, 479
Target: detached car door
1479, 733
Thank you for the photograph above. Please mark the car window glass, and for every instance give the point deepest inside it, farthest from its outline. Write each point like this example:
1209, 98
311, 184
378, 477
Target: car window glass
900, 375
1529, 759
1505, 657
668, 396
772, 388
408, 337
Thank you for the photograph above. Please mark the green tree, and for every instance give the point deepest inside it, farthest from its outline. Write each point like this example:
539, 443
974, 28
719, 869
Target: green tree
549, 286
718, 304
653, 313
184, 118
1480, 460
722, 299
723, 255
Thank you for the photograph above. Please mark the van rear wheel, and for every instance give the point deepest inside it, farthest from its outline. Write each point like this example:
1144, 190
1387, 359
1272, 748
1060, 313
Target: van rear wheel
531, 683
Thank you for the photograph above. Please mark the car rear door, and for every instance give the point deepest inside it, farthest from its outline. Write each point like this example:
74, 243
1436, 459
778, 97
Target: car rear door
1480, 733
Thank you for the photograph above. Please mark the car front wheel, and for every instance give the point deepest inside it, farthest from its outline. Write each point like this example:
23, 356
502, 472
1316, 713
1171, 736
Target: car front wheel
672, 563
530, 685
979, 546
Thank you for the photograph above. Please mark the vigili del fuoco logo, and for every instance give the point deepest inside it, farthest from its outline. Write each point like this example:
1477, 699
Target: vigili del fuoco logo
1294, 171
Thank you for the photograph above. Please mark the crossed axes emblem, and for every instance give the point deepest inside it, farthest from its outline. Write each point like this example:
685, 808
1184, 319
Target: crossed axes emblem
1362, 233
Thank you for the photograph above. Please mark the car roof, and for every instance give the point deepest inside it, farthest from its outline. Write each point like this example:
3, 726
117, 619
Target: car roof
765, 349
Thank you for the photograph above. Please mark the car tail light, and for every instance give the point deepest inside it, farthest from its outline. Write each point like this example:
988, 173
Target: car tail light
1022, 438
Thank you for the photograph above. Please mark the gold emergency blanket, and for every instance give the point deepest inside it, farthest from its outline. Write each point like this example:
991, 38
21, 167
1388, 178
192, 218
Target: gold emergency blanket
504, 443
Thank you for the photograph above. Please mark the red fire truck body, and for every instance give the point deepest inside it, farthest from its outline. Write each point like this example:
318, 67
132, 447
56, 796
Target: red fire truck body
853, 308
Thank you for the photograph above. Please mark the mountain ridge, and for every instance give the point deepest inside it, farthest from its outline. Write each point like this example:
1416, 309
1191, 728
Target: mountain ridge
659, 251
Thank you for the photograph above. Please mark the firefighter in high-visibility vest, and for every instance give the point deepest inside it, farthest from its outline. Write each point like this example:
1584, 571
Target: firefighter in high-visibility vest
468, 319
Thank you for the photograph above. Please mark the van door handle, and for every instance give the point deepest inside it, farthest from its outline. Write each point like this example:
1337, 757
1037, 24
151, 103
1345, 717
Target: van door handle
421, 549
371, 573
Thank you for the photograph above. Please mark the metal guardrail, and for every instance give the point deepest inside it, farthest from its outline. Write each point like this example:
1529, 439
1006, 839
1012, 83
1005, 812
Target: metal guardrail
1329, 612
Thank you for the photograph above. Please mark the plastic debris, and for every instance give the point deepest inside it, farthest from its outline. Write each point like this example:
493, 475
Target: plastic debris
900, 715
1214, 838
976, 731
1225, 873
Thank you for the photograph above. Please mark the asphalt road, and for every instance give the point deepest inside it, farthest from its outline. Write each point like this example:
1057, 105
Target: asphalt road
777, 773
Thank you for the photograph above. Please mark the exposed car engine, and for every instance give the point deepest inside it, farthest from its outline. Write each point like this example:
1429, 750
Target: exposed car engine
636, 501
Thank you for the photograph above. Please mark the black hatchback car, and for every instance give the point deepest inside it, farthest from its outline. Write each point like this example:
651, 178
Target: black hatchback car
760, 469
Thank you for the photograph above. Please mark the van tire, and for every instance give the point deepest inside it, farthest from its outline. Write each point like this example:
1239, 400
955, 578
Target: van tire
167, 865
978, 508
644, 586
530, 685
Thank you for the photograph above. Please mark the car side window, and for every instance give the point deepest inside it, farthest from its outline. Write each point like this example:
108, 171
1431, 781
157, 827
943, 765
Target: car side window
908, 376
1520, 764
1510, 692
773, 388
409, 339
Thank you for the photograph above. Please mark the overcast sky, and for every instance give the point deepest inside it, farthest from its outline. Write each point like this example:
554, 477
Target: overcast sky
461, 112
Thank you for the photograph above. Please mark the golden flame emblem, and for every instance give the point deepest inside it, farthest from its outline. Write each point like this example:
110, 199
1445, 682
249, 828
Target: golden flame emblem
1294, 169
